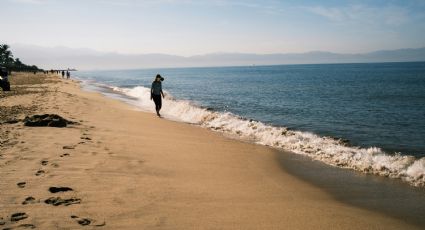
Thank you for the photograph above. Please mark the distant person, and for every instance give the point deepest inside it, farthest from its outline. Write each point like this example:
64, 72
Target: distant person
63, 74
68, 74
4, 79
156, 92
4, 73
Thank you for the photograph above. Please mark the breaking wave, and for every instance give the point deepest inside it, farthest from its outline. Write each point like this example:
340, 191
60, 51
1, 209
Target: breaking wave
329, 150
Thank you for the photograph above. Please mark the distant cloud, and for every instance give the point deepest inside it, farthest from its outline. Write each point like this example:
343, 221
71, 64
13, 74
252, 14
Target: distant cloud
265, 6
333, 14
361, 14
30, 1
145, 2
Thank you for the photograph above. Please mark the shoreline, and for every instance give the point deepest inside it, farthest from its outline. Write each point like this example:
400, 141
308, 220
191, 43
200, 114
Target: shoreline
131, 170
333, 150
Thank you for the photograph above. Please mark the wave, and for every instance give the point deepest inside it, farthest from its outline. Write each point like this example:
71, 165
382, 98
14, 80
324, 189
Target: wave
329, 150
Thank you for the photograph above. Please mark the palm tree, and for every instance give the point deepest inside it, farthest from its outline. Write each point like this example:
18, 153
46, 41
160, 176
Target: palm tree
6, 56
3, 48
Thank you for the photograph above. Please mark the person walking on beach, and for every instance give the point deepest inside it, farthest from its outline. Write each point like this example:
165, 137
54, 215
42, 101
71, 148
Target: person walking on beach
156, 92
63, 74
68, 74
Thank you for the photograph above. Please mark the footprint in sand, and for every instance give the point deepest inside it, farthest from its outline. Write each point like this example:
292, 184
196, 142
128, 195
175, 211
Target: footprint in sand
18, 216
68, 147
87, 221
40, 172
29, 200
2, 222
60, 189
64, 155
44, 162
56, 201
21, 184
85, 138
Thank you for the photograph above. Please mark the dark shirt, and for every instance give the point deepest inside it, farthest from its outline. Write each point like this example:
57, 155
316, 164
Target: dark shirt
156, 88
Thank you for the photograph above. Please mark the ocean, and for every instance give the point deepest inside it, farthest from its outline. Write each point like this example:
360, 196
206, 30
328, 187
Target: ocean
366, 117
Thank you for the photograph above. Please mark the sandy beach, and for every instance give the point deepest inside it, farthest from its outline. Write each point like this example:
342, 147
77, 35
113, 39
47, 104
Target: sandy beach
119, 168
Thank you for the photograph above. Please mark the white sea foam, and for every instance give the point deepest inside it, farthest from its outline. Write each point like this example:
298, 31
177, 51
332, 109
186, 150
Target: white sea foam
331, 151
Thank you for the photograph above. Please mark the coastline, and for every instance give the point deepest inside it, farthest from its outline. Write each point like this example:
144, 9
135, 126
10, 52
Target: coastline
131, 170
326, 136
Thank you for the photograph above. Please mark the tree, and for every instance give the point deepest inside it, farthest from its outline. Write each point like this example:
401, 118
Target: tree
7, 60
18, 63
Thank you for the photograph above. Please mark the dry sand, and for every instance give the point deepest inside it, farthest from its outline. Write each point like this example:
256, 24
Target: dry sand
131, 170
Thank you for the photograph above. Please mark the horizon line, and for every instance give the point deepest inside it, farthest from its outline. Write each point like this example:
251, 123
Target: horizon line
253, 65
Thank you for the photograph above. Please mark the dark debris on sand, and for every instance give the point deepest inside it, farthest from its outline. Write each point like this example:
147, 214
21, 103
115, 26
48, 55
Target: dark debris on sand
49, 120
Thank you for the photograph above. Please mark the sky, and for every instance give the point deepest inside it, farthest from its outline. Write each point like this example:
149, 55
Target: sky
196, 27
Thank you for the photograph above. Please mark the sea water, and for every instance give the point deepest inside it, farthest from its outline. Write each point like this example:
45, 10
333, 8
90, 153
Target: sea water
367, 117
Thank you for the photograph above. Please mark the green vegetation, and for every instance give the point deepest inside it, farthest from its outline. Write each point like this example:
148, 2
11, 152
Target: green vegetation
7, 60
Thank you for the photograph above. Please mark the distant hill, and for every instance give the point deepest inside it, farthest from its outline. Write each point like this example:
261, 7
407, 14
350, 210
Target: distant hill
62, 57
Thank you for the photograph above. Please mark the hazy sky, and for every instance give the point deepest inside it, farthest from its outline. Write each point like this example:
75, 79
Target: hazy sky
190, 27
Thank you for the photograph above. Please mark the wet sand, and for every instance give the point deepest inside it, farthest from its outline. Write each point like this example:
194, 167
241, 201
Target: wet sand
119, 168
391, 197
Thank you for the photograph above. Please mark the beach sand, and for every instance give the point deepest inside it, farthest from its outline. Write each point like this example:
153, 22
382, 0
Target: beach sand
132, 170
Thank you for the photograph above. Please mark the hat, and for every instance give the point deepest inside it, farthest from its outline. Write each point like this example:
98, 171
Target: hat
159, 76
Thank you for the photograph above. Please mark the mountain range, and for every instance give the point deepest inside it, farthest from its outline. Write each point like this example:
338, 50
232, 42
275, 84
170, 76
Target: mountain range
86, 59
